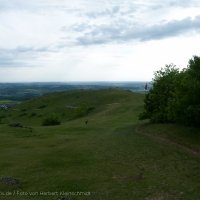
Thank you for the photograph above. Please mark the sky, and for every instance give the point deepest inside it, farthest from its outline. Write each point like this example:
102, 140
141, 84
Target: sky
95, 40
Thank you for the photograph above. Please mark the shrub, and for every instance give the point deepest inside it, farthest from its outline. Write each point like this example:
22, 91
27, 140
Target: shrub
51, 120
22, 114
42, 106
1, 118
16, 125
157, 99
33, 114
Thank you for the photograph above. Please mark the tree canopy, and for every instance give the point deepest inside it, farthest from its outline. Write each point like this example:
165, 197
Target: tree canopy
175, 95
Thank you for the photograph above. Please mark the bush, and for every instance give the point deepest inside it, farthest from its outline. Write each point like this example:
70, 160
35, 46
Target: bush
83, 110
192, 115
16, 125
51, 120
157, 99
42, 106
175, 95
1, 118
33, 114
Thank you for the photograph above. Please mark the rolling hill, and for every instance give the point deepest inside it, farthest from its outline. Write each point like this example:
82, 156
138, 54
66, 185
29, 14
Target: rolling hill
100, 151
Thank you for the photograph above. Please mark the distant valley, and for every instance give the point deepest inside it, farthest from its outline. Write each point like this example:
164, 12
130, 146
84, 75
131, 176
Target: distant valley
14, 92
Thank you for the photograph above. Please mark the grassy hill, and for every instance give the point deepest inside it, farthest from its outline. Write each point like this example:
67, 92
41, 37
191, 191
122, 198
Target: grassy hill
111, 157
72, 105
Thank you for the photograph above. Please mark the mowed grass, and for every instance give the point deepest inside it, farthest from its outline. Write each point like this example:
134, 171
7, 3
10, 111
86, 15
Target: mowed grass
107, 157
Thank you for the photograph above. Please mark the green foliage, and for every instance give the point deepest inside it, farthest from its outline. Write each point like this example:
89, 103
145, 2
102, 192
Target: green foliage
51, 120
15, 124
42, 106
82, 111
33, 114
175, 95
158, 98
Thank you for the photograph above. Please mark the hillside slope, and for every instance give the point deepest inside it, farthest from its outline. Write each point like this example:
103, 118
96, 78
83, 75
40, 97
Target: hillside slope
105, 158
70, 105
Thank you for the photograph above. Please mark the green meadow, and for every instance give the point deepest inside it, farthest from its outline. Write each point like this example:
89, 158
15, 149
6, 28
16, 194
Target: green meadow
7, 102
100, 150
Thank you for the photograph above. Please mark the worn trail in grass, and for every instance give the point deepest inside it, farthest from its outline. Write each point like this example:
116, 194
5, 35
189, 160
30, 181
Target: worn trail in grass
106, 157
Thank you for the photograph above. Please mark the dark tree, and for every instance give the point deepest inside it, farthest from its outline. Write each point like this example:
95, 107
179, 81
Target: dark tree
175, 95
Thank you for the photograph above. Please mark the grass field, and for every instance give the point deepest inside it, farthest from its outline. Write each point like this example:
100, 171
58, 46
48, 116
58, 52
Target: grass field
112, 157
7, 102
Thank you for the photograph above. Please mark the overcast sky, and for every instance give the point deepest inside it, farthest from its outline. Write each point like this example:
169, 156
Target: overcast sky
95, 40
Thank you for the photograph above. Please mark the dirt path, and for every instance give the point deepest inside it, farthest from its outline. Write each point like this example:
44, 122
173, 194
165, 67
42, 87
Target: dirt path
167, 141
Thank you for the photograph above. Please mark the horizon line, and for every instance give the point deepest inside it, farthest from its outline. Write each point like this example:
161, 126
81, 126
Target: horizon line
4, 82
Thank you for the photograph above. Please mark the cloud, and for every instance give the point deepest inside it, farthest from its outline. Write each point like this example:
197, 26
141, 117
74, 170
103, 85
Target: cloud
10, 60
171, 29
65, 37
110, 12
21, 56
119, 32
183, 3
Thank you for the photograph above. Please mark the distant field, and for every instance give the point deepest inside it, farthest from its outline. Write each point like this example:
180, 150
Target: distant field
111, 157
6, 101
26, 91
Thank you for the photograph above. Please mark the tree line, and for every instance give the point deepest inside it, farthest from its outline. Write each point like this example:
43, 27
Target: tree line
175, 95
